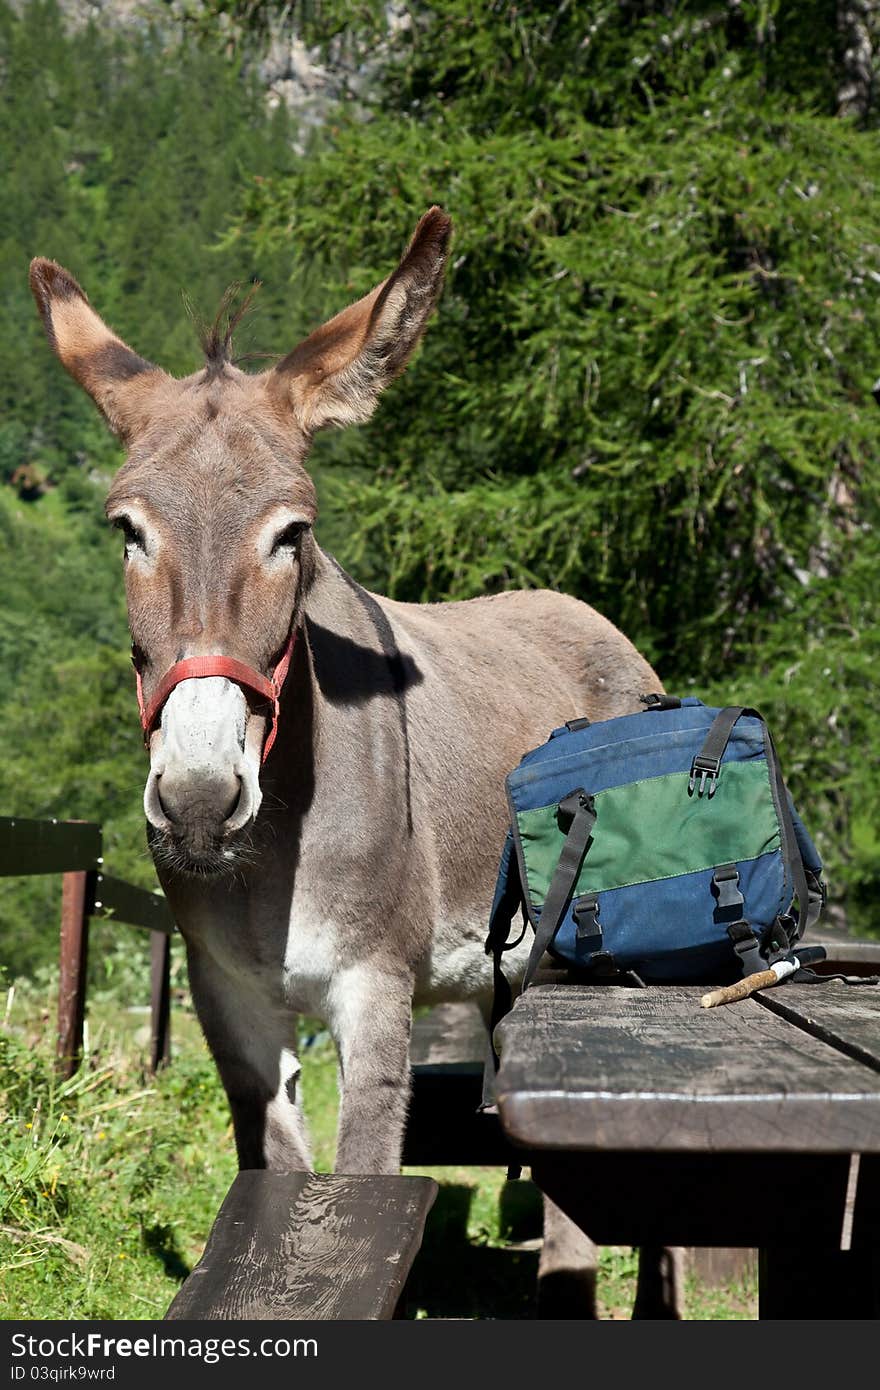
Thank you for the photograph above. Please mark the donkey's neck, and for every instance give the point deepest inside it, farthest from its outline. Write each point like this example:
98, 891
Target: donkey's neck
344, 732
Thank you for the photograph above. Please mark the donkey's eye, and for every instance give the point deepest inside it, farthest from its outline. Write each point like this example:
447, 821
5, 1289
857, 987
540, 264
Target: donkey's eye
290, 537
133, 535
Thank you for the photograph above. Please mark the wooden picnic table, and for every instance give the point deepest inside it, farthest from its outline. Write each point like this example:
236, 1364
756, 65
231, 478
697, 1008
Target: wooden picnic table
652, 1121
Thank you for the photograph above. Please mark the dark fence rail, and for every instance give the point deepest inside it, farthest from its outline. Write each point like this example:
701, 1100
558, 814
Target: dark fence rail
73, 849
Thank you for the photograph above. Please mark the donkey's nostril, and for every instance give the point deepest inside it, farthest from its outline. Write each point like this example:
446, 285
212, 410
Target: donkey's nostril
185, 798
165, 807
234, 804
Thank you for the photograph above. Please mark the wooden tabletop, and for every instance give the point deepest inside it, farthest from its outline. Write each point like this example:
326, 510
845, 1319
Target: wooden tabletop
607, 1068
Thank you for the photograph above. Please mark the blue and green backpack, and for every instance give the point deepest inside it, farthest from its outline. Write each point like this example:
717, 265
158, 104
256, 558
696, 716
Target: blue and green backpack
662, 844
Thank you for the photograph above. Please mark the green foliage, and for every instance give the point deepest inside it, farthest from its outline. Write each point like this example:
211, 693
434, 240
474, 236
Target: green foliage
123, 156
649, 380
122, 161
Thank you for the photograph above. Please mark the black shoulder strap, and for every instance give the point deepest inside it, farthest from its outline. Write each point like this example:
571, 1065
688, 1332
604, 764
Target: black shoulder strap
583, 817
707, 765
508, 898
808, 906
564, 877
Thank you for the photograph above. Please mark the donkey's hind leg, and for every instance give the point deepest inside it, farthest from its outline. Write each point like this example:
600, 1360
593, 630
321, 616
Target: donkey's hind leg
660, 1288
566, 1269
254, 1047
568, 1262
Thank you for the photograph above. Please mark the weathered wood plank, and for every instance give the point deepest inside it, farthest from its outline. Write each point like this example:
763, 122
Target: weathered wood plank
848, 957
308, 1245
614, 1068
450, 1033
846, 1016
47, 846
718, 1268
137, 907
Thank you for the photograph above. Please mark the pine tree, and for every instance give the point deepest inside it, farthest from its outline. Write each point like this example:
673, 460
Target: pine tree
649, 382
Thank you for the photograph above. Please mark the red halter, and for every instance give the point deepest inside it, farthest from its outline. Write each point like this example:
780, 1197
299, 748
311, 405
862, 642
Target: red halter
194, 667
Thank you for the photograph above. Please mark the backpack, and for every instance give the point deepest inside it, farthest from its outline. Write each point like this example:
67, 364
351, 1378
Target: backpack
663, 844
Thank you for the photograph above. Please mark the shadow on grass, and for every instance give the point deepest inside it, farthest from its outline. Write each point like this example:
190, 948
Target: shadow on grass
162, 1243
458, 1276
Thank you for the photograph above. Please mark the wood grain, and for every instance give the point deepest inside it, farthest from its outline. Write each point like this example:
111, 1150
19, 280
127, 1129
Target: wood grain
308, 1246
627, 1069
77, 894
846, 1016
450, 1033
848, 957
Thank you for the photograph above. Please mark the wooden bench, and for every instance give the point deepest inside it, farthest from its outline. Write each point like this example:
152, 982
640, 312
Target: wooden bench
319, 1246
308, 1246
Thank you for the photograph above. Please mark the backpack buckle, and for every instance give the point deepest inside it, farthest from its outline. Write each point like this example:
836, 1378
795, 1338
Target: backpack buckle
745, 943
661, 701
725, 887
588, 934
578, 800
780, 941
708, 770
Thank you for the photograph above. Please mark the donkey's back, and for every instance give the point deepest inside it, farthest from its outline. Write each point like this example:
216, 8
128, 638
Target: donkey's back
495, 675
539, 652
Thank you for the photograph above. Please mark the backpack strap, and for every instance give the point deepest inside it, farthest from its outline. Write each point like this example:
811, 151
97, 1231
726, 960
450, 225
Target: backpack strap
707, 767
508, 897
809, 904
707, 763
581, 807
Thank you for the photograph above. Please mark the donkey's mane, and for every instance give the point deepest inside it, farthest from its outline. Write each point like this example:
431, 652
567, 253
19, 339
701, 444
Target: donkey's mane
216, 338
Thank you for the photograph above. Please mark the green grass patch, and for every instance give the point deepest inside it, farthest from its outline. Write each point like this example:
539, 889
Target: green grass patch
109, 1181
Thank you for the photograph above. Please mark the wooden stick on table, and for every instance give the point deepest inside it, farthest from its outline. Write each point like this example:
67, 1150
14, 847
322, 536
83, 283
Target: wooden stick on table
743, 988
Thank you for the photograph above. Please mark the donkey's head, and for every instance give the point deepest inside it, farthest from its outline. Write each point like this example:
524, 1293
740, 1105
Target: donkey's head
216, 510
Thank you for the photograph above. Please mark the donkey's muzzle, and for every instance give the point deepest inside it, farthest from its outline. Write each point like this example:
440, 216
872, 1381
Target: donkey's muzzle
204, 783
211, 801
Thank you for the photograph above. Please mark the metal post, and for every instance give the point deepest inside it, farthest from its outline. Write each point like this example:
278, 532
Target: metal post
77, 898
160, 999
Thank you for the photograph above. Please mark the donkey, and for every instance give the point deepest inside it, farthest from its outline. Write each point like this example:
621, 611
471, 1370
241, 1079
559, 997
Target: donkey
325, 801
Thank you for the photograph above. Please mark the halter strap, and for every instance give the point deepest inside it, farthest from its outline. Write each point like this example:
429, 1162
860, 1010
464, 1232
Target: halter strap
196, 667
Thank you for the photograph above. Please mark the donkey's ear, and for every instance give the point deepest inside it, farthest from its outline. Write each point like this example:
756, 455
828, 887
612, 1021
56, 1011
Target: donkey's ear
336, 374
118, 380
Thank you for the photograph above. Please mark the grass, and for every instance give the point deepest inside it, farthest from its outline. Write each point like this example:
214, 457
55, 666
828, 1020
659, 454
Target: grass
109, 1183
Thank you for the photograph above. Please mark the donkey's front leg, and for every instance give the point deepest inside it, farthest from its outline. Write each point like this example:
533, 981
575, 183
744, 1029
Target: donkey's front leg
254, 1047
371, 1018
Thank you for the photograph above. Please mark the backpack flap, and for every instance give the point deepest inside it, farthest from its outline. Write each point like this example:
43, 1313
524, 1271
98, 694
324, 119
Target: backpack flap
670, 883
